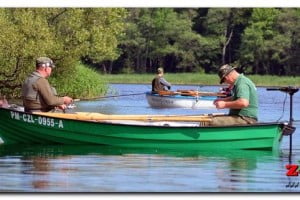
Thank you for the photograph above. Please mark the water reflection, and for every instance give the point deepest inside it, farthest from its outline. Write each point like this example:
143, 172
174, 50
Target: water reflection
68, 167
90, 168
50, 151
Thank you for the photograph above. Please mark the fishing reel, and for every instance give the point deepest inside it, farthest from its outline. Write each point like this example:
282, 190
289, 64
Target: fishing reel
287, 129
71, 106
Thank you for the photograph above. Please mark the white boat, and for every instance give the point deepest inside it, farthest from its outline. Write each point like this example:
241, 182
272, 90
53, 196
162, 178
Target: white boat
180, 101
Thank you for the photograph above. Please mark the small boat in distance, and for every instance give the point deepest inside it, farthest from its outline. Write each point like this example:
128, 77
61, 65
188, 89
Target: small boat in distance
182, 99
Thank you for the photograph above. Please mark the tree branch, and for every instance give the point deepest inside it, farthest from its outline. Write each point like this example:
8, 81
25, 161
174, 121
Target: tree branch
8, 78
14, 74
52, 19
226, 44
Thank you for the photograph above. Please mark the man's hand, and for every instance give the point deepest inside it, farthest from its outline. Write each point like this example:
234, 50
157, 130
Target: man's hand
220, 104
62, 107
67, 100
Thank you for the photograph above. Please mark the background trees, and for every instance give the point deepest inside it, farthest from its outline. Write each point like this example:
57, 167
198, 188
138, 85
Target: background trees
138, 40
259, 40
158, 37
64, 34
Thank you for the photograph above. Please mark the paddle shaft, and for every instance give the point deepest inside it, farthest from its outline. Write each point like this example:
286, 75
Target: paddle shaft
191, 93
102, 117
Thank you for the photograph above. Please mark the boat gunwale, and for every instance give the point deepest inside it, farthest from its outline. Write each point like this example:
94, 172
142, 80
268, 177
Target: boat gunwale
157, 126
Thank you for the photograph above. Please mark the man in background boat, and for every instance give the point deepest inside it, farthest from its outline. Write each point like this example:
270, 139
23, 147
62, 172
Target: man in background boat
37, 94
159, 83
243, 104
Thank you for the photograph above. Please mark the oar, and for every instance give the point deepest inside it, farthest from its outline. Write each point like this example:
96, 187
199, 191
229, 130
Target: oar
101, 117
191, 93
200, 93
216, 94
167, 92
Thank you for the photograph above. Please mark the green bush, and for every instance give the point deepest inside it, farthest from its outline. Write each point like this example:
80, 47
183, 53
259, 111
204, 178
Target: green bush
83, 83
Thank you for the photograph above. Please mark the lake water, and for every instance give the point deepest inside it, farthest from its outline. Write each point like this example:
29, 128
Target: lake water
88, 168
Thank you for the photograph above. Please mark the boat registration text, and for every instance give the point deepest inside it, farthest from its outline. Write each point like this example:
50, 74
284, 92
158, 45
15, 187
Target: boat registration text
41, 120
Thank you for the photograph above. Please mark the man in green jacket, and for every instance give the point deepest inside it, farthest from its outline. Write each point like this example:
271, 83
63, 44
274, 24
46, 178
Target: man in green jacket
243, 104
37, 94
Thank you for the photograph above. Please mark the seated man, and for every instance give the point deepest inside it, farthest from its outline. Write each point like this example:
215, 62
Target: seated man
242, 104
37, 94
159, 83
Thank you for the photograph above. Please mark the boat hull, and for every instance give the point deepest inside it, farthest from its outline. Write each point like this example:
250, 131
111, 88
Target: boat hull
19, 127
178, 101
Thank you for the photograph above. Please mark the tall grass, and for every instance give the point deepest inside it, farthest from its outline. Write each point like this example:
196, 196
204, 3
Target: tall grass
201, 79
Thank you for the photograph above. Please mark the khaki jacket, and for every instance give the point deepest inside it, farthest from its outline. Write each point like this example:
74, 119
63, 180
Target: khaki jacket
37, 94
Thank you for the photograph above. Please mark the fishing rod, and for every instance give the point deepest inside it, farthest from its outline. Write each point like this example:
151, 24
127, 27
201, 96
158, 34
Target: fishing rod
112, 96
121, 95
72, 105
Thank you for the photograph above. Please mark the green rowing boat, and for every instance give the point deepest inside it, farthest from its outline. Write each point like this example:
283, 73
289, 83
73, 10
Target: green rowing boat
18, 127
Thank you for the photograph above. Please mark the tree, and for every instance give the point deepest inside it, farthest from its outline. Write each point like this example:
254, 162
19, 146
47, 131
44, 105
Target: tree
160, 37
288, 24
262, 44
222, 27
64, 34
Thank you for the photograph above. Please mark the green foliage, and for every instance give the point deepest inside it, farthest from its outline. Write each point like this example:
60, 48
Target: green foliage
269, 41
258, 40
138, 40
216, 21
86, 83
200, 79
64, 34
160, 38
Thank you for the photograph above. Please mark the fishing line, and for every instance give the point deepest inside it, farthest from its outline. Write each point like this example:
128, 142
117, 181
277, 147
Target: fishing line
282, 113
121, 95
296, 122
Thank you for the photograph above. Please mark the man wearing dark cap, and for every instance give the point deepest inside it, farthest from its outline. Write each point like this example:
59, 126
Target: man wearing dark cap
37, 94
243, 104
159, 83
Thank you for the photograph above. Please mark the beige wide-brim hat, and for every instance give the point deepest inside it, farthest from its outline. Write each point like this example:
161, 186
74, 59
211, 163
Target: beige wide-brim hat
224, 71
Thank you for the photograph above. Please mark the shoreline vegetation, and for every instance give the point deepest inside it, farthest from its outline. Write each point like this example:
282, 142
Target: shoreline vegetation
88, 84
98, 83
200, 79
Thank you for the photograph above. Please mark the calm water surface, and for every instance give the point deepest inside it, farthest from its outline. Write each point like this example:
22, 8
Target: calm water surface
74, 168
